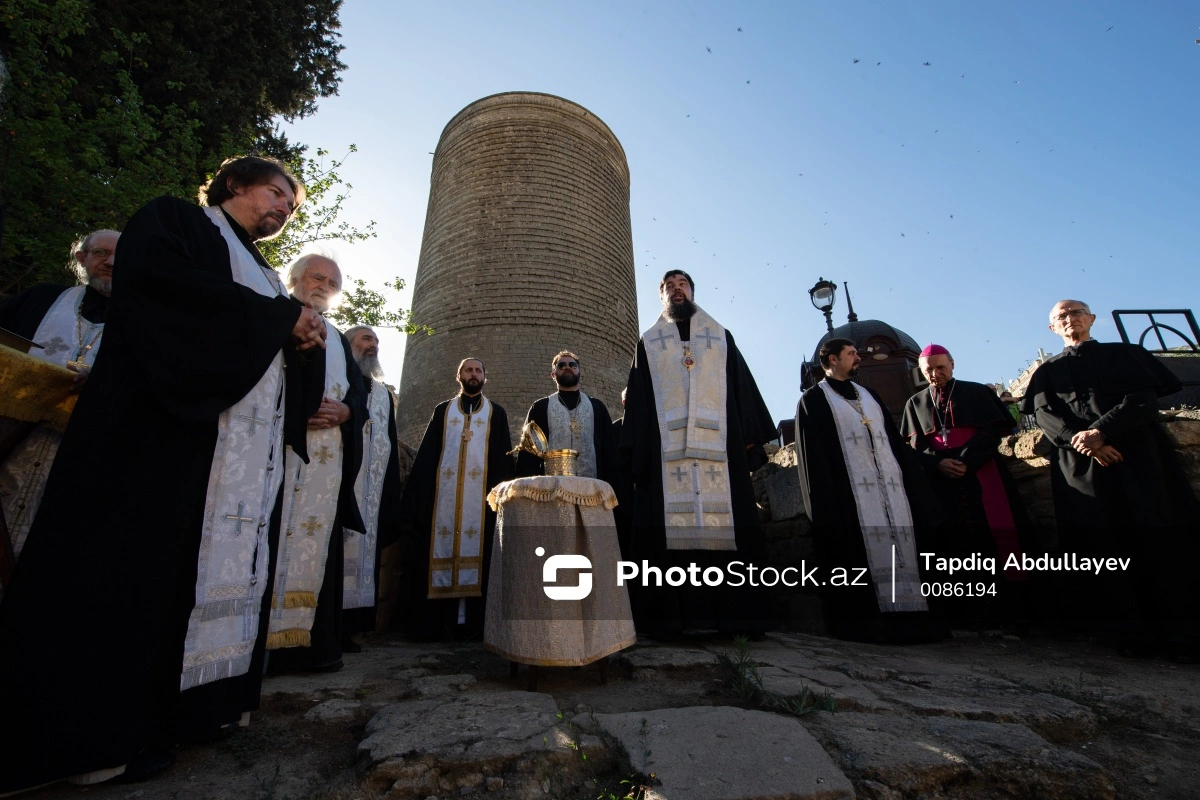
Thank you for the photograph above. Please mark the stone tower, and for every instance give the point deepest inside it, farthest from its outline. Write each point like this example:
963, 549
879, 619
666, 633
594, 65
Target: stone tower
527, 250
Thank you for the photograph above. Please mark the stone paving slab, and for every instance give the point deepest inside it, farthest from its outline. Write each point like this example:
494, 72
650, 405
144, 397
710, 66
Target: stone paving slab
892, 757
722, 753
464, 741
666, 657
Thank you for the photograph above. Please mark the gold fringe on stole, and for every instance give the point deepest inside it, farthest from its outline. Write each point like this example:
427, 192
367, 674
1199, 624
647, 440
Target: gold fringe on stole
536, 490
293, 637
33, 390
296, 600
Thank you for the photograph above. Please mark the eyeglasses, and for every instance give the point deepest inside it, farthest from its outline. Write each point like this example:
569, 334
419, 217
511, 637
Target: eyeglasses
565, 364
99, 252
1069, 313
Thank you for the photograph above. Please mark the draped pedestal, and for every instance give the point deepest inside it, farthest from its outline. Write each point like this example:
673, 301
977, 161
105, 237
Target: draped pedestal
567, 519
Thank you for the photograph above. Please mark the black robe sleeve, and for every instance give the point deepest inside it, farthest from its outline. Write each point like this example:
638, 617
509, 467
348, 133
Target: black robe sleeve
500, 463
389, 502
607, 464
349, 514
757, 426
206, 339
416, 505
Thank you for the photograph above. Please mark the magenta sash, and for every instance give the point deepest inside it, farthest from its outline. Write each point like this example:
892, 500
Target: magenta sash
995, 501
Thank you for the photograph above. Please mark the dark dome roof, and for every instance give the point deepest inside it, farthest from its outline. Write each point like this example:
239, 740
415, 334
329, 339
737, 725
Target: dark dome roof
866, 329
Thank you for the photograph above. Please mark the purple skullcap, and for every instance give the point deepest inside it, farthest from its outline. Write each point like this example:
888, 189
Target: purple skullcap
934, 350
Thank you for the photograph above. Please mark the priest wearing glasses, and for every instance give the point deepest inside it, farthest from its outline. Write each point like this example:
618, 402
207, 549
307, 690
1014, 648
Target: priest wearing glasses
1119, 491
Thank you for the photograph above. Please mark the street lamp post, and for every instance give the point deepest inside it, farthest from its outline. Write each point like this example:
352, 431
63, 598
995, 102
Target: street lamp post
823, 296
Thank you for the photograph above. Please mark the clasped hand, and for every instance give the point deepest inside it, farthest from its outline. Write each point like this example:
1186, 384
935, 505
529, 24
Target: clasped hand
952, 468
309, 330
330, 415
1093, 443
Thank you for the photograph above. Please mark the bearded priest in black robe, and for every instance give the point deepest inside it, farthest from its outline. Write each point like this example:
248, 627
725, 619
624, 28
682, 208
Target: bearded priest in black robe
68, 323
955, 427
694, 429
572, 420
871, 509
320, 508
1119, 491
147, 567
447, 519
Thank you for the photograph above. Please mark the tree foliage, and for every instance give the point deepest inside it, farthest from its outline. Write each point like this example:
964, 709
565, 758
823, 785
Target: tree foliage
362, 305
109, 103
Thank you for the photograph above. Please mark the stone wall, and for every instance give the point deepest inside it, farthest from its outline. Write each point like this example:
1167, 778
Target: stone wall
527, 250
786, 529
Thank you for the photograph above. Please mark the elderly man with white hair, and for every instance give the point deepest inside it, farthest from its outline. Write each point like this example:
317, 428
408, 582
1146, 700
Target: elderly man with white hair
319, 506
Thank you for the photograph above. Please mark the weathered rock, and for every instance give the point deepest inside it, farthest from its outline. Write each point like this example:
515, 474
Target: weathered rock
333, 711
1183, 432
438, 685
722, 753
784, 456
1007, 445
946, 757
783, 495
450, 743
1032, 443
666, 657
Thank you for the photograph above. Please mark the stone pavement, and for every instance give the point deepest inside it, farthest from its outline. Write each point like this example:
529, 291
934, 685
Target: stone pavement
973, 717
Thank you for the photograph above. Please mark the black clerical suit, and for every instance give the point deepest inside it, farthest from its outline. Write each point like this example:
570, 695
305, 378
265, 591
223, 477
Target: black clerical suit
1141, 508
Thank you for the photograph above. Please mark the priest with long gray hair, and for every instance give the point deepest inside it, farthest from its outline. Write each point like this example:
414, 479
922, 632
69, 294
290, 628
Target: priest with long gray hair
378, 491
319, 506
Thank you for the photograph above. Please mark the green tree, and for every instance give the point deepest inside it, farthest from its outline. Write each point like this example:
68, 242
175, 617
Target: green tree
106, 104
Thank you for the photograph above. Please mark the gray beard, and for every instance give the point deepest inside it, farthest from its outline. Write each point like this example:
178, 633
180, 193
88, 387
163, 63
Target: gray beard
370, 367
101, 285
678, 312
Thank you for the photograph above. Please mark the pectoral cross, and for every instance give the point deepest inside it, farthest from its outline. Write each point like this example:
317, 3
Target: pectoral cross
575, 427
467, 434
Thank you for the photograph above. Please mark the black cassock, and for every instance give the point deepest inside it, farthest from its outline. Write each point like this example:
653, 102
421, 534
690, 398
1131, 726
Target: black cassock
357, 620
327, 630
606, 455
438, 618
666, 611
1141, 508
92, 629
23, 313
852, 612
983, 511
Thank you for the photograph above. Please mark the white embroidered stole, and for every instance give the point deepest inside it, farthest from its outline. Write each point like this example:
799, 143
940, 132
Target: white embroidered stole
359, 573
246, 472
456, 548
882, 506
310, 496
64, 334
693, 428
573, 430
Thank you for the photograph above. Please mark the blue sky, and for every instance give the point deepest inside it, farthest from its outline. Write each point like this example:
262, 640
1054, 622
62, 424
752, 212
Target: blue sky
1047, 150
